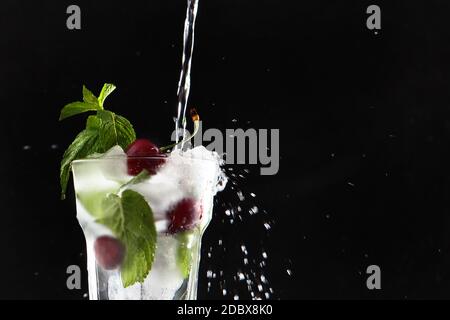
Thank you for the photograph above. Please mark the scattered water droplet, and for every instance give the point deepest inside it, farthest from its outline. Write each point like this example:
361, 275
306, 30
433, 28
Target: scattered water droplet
253, 210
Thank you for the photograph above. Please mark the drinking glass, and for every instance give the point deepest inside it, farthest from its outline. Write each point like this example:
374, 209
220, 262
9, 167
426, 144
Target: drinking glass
95, 178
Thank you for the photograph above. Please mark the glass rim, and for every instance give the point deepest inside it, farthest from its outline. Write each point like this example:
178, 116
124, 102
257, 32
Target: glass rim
156, 158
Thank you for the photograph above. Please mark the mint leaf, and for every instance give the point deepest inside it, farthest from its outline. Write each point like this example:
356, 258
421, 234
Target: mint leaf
131, 220
81, 147
93, 122
184, 252
78, 107
106, 91
88, 96
101, 134
115, 130
103, 131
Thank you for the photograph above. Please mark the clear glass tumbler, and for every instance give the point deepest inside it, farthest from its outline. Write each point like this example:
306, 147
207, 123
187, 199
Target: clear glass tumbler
174, 273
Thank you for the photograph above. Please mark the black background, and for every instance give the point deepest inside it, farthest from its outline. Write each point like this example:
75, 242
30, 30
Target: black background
364, 123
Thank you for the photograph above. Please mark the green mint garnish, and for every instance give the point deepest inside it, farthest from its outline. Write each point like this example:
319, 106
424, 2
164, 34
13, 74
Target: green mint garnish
114, 130
131, 220
106, 91
89, 97
184, 252
103, 130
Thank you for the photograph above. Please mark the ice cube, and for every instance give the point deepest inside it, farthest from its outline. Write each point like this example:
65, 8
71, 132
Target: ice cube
106, 172
165, 277
115, 165
116, 291
161, 191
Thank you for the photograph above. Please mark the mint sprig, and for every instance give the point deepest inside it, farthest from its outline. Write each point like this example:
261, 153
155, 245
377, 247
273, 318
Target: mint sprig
131, 220
103, 130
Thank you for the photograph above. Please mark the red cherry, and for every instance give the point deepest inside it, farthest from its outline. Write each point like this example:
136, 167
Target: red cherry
144, 148
109, 252
184, 215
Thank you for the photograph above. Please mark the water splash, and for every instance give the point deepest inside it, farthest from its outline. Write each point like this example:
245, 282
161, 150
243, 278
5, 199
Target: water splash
249, 277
